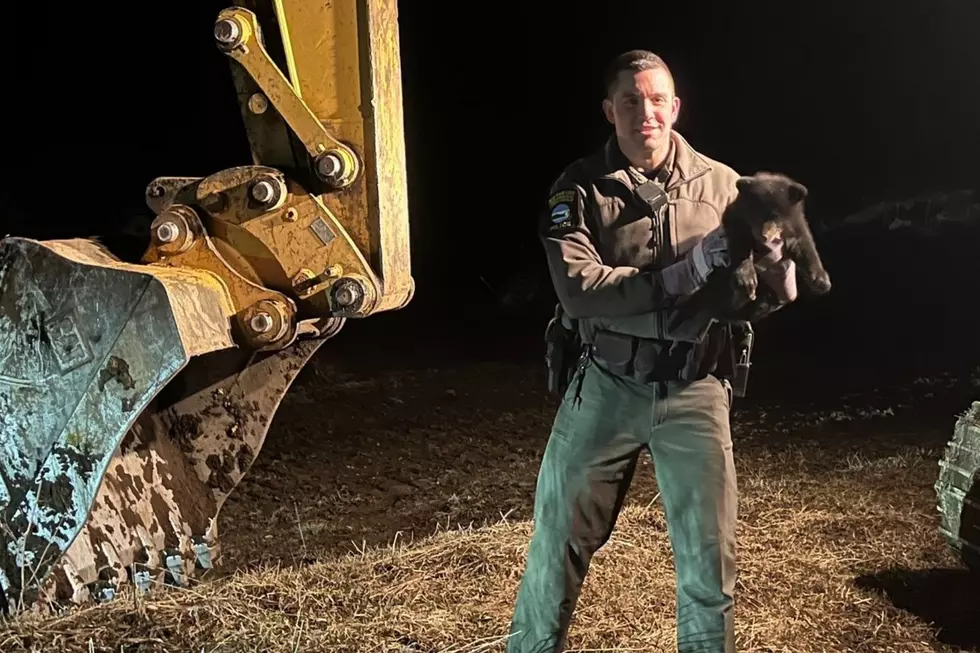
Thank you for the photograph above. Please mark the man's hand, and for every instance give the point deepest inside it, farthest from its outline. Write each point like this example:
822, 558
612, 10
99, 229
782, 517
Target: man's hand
690, 273
711, 252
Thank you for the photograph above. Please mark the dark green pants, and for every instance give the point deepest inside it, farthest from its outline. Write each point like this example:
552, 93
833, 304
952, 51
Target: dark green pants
587, 467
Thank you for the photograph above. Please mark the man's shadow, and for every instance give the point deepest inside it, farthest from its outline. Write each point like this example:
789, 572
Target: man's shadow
949, 599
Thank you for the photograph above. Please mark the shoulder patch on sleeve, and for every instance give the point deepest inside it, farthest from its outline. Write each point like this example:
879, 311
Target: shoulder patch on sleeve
562, 208
561, 197
561, 216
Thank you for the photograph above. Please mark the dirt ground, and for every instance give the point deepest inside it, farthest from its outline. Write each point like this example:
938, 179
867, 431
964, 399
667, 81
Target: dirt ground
838, 511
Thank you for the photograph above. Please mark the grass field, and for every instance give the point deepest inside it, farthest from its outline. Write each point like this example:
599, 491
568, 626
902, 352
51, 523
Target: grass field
390, 512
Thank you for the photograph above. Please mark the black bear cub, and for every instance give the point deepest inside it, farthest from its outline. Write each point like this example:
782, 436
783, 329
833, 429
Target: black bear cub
768, 209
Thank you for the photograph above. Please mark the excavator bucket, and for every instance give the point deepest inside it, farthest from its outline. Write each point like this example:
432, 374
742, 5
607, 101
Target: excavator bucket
127, 416
86, 344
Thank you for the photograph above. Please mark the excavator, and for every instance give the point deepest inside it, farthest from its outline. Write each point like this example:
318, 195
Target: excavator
135, 395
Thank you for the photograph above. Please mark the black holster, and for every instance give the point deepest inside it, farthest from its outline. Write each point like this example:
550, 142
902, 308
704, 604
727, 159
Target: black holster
742, 341
562, 349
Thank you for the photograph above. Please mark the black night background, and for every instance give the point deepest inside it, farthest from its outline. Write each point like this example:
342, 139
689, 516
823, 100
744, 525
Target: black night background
873, 105
862, 102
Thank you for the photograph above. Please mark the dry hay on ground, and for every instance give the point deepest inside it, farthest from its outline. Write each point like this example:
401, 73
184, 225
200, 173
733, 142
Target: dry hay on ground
811, 528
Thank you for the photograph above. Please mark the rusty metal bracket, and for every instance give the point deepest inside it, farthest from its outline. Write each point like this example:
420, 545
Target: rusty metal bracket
237, 33
330, 114
286, 239
264, 318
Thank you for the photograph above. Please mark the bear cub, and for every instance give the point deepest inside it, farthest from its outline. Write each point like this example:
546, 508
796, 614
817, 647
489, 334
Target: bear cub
769, 208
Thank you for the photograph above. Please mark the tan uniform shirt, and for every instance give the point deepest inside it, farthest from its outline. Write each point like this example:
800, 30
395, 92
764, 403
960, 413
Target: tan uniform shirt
604, 247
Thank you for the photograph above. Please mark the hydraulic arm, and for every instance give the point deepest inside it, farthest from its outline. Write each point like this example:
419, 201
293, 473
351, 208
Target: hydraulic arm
134, 396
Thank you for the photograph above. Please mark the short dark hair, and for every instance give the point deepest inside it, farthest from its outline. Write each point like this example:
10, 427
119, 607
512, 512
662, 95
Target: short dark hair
634, 61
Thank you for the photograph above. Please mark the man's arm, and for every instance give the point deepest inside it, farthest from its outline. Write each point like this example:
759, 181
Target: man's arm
586, 287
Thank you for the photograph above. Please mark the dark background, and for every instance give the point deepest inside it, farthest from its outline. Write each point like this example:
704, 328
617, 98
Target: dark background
861, 101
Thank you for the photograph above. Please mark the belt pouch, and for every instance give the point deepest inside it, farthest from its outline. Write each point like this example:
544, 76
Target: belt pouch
616, 351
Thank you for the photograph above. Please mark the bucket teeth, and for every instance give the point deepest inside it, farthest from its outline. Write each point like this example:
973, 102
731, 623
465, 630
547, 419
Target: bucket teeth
202, 553
142, 578
175, 568
105, 588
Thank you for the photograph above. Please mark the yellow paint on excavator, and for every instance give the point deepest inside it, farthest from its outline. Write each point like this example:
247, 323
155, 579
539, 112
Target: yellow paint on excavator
135, 396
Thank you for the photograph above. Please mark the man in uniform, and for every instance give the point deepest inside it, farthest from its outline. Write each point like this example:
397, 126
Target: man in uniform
631, 230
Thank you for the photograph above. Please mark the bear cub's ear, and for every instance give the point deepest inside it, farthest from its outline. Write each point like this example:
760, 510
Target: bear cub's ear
743, 184
797, 192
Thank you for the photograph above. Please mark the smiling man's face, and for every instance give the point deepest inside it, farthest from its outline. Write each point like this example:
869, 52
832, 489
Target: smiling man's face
643, 109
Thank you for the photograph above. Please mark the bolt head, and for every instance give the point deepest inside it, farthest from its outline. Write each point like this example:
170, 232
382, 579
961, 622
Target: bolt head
258, 103
263, 192
346, 296
329, 166
168, 232
261, 322
226, 31
347, 293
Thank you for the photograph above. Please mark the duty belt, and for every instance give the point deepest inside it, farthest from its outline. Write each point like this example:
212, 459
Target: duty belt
644, 359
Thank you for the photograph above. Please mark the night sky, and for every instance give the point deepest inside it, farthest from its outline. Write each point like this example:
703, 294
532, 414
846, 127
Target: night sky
859, 100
